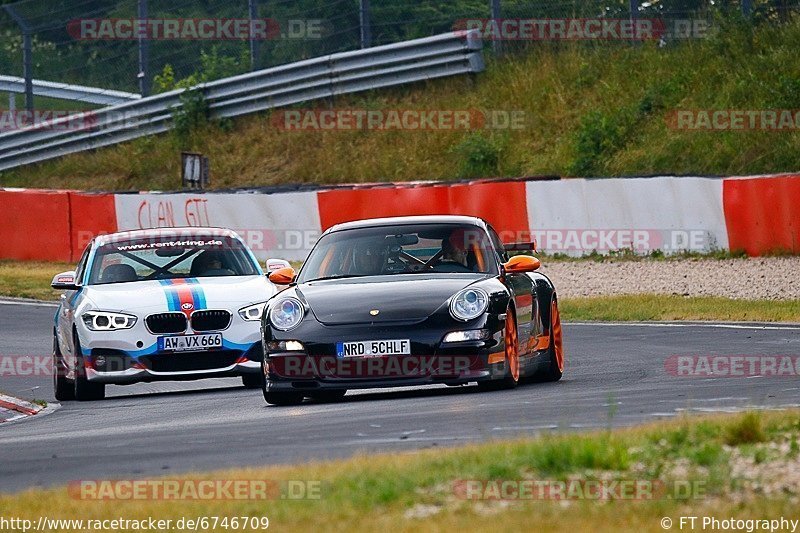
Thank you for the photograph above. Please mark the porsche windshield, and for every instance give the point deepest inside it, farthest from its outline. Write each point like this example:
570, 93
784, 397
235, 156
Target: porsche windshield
168, 258
405, 249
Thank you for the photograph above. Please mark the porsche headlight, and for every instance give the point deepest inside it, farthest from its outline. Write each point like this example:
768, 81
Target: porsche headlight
252, 312
286, 314
469, 304
107, 321
471, 335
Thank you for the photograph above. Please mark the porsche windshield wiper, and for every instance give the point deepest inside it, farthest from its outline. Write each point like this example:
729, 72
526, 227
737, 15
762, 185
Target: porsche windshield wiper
339, 276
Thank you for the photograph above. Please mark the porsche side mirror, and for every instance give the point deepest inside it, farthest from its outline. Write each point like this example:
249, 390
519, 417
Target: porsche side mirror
276, 264
521, 263
282, 276
64, 281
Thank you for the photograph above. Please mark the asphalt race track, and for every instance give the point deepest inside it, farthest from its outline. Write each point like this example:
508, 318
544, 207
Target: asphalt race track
615, 375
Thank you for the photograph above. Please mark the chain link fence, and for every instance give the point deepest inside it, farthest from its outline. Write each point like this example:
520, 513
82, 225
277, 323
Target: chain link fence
149, 46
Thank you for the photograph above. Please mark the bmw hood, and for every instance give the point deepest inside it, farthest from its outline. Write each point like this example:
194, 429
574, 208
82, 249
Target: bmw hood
410, 298
230, 292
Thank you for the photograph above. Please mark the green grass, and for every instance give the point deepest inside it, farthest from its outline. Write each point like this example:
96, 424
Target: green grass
669, 307
387, 492
590, 110
30, 279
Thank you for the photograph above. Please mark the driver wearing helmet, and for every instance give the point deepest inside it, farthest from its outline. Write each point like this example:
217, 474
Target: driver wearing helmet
454, 253
368, 258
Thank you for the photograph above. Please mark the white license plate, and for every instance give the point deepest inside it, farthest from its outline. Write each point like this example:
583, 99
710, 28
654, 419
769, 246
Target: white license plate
373, 348
185, 343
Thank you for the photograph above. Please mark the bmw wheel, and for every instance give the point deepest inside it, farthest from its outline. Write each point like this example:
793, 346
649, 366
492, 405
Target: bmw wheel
251, 381
85, 390
63, 390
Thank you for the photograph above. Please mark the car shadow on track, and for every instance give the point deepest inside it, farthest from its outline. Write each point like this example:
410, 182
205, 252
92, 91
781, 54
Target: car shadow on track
353, 396
369, 395
166, 394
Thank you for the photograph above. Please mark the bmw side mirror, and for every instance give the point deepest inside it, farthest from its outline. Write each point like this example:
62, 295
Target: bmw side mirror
64, 281
276, 264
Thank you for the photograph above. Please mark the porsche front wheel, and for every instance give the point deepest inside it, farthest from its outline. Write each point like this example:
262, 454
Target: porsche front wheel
283, 398
511, 361
328, 396
277, 398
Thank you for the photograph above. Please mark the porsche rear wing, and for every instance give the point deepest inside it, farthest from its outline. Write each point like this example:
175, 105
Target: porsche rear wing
520, 246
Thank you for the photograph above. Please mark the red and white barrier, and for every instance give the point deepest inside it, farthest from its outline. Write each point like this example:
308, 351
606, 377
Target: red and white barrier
282, 225
762, 214
663, 213
758, 214
51, 225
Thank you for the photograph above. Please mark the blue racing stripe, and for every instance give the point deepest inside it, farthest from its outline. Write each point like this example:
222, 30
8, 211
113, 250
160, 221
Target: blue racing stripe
173, 302
153, 348
230, 345
74, 297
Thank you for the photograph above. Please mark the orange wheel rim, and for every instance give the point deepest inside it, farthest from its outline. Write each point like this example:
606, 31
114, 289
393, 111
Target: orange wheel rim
512, 352
558, 338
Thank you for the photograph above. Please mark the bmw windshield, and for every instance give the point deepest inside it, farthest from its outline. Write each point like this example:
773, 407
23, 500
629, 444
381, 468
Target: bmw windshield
402, 249
156, 258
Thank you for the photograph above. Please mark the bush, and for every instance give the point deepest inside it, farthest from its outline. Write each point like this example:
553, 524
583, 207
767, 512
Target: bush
190, 116
480, 156
598, 135
746, 430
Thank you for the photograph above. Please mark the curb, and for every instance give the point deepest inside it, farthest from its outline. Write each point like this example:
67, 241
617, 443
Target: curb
22, 407
19, 419
10, 300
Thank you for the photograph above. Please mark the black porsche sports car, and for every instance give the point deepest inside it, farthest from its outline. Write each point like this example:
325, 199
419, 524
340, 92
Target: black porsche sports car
409, 301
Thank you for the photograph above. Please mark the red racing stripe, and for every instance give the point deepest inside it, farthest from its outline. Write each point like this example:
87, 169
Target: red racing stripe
185, 296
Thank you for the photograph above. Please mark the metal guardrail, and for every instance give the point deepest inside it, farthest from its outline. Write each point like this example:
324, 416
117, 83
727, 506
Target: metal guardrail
323, 77
65, 91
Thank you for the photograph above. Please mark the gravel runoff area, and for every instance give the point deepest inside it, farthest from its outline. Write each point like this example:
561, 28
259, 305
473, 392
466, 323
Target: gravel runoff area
760, 278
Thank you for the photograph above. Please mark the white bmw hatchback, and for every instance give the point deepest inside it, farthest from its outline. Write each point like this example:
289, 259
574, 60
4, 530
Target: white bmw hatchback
160, 304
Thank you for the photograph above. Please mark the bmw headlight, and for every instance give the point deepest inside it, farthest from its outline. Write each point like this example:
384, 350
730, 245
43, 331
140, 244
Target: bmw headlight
252, 312
469, 304
107, 321
286, 314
